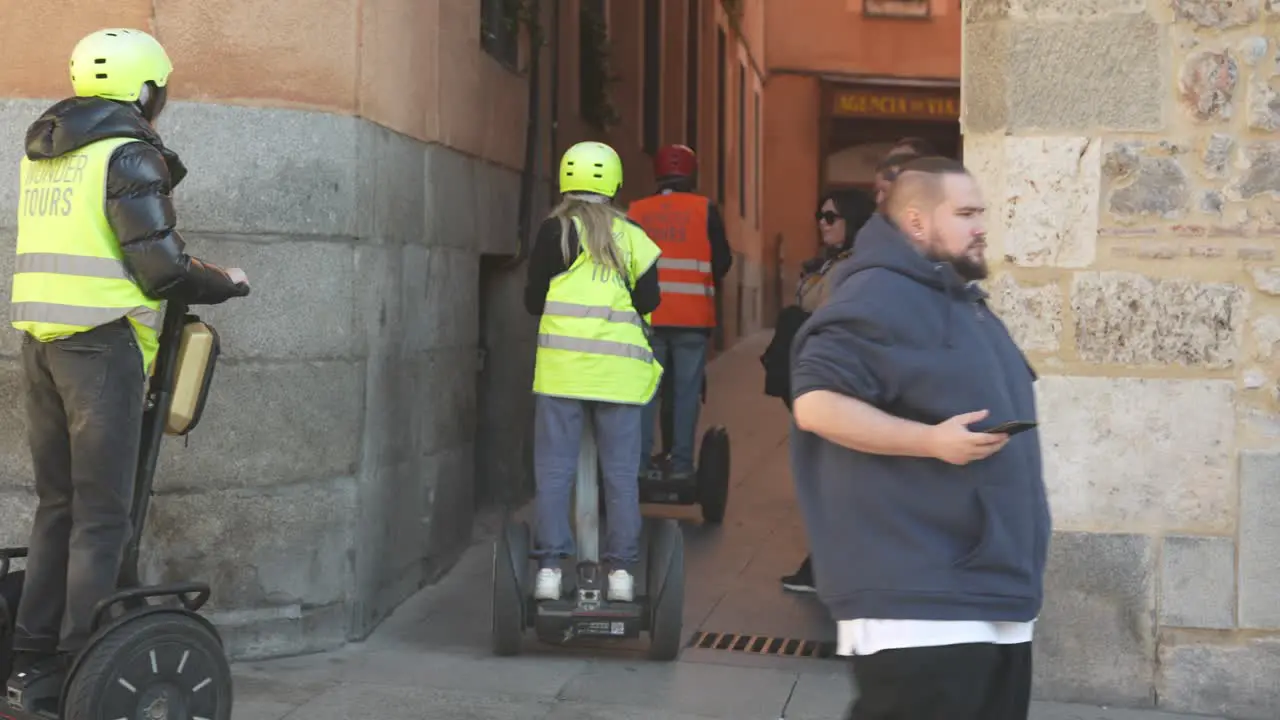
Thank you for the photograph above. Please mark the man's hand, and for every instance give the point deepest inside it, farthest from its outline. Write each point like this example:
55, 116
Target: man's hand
237, 276
953, 442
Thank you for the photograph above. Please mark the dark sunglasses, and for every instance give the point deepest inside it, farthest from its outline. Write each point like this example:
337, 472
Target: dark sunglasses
828, 216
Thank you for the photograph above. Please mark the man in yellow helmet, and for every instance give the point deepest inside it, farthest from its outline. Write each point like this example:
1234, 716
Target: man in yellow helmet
97, 255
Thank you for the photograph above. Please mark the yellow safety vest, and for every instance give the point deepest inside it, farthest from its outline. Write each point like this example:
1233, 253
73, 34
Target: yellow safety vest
591, 341
70, 275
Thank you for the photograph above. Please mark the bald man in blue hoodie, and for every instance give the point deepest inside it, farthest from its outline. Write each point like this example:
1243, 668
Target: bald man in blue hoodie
929, 535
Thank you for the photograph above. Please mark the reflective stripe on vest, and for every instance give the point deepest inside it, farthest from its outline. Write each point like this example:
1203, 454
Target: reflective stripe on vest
591, 340
69, 272
677, 222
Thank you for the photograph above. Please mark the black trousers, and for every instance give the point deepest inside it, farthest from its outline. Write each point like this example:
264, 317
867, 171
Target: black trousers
978, 681
84, 397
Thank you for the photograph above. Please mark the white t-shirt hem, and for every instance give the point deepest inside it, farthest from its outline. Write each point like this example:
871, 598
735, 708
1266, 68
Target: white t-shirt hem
870, 636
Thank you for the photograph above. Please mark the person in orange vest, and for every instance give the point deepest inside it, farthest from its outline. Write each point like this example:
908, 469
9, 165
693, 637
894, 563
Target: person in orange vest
695, 258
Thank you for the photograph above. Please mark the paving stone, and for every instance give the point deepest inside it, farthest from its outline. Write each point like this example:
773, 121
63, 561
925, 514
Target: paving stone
1233, 679
1259, 539
1146, 469
1132, 319
385, 702
1197, 582
821, 697
710, 690
1095, 641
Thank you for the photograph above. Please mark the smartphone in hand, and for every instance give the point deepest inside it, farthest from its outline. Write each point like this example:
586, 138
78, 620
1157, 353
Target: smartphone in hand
1011, 428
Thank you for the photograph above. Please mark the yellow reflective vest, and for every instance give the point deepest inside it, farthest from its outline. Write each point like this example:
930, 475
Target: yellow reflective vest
591, 340
69, 275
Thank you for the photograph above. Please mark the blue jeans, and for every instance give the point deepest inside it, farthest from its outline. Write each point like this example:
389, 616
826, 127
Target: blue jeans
683, 355
557, 436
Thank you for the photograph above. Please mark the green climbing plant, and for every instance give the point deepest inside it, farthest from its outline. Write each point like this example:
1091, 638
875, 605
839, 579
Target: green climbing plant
524, 15
596, 76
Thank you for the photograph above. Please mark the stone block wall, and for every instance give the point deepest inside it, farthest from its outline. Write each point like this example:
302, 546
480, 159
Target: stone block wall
1128, 150
335, 470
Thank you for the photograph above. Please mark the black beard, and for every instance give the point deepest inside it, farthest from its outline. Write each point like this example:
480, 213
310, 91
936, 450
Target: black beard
968, 270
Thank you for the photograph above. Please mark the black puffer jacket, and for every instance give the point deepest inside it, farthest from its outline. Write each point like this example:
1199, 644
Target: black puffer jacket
139, 207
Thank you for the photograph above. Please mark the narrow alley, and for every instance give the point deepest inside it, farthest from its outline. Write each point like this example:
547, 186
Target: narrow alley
432, 659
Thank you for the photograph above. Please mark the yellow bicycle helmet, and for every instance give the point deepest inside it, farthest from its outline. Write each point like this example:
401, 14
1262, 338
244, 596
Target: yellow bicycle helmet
591, 167
114, 64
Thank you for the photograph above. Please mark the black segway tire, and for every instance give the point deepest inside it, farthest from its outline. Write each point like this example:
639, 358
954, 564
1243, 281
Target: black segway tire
713, 474
10, 596
665, 579
511, 588
163, 664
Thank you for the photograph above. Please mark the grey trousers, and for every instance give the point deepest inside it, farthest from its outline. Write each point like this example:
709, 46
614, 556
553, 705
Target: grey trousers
557, 438
84, 397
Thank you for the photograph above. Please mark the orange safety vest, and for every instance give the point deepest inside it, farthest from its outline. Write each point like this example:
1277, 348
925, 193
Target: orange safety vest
677, 222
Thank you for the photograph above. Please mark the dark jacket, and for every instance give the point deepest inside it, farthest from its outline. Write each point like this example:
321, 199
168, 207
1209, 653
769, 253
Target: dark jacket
546, 262
917, 538
139, 207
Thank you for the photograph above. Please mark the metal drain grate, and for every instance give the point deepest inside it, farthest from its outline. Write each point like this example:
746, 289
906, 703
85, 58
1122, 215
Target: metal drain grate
762, 645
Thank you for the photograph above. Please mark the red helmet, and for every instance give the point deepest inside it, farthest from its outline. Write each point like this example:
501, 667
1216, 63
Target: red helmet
675, 161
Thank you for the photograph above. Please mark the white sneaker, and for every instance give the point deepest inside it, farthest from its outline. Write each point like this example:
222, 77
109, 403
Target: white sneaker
622, 587
547, 586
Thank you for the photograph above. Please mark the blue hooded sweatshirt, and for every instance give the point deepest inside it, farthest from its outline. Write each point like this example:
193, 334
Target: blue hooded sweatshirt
917, 538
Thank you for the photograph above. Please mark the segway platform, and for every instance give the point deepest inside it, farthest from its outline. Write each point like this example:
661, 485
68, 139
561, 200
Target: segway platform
709, 485
583, 611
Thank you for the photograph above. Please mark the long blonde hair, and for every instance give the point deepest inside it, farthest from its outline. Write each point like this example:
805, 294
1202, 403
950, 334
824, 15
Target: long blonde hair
597, 218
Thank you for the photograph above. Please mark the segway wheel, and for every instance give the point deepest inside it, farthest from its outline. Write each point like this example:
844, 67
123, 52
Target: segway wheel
713, 474
162, 665
666, 590
510, 588
10, 595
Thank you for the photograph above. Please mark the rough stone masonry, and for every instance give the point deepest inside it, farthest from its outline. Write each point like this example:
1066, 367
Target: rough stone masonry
1130, 151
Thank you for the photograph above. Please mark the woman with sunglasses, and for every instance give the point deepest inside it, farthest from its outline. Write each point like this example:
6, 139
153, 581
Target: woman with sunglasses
841, 214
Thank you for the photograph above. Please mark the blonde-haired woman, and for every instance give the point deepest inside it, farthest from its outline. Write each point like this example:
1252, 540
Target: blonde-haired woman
593, 279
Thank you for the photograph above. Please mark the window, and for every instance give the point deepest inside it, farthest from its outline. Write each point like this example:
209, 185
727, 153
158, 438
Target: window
498, 34
692, 26
742, 139
758, 129
720, 110
593, 65
652, 76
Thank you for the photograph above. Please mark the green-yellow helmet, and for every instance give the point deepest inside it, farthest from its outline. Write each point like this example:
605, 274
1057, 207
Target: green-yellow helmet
115, 63
591, 167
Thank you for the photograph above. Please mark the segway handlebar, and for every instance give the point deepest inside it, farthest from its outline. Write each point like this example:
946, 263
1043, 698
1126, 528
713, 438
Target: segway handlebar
159, 397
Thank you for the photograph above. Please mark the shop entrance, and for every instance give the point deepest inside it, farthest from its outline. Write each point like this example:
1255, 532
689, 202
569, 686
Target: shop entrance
862, 120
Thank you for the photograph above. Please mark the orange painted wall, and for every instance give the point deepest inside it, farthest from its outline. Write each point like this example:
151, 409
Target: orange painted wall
381, 59
833, 36
808, 38
792, 145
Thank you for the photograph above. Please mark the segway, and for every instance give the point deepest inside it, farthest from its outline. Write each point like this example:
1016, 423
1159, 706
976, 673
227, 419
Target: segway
710, 485
585, 611
151, 656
